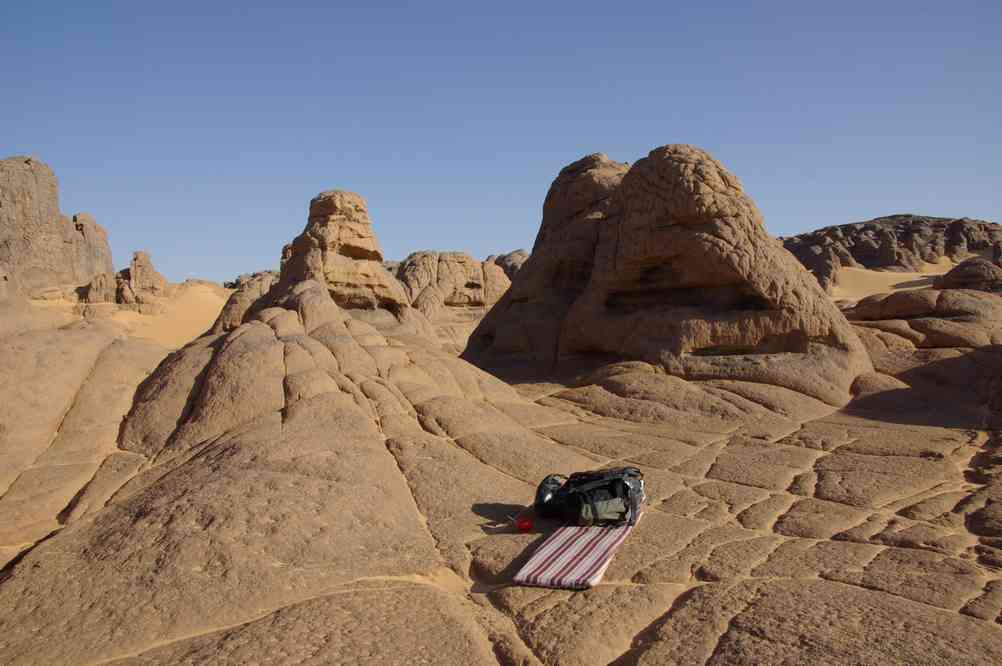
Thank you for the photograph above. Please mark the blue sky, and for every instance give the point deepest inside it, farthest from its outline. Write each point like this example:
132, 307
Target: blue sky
200, 131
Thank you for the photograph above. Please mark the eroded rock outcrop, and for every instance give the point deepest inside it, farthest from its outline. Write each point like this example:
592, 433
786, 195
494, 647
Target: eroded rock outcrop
528, 317
41, 249
248, 290
285, 484
511, 263
975, 273
339, 249
139, 287
292, 408
896, 242
453, 290
245, 278
933, 317
668, 263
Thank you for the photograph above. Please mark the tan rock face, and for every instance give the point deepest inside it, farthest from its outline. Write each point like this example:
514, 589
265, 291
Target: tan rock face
139, 287
249, 291
144, 278
672, 266
339, 249
293, 409
511, 263
300, 486
931, 318
39, 247
453, 290
975, 273
63, 393
527, 319
6, 285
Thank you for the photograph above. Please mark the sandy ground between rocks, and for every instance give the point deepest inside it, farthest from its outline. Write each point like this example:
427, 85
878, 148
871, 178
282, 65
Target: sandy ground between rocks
857, 283
188, 315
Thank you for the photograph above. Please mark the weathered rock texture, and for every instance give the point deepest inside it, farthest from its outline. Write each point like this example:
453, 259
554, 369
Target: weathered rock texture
339, 249
528, 318
362, 481
6, 284
301, 488
39, 247
245, 278
453, 290
896, 242
64, 388
139, 287
668, 263
932, 317
510, 263
974, 273
248, 292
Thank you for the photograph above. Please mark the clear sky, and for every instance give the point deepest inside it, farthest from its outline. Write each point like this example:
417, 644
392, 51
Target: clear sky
200, 130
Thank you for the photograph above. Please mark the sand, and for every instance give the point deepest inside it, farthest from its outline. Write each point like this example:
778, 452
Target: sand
189, 314
857, 283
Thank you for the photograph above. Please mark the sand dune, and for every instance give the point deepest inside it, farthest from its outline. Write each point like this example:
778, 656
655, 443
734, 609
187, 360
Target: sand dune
189, 314
856, 283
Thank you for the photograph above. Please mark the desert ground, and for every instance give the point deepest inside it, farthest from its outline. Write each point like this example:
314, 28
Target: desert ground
855, 284
321, 465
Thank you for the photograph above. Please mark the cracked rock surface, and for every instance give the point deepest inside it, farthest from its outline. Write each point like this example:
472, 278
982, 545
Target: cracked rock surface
453, 290
300, 486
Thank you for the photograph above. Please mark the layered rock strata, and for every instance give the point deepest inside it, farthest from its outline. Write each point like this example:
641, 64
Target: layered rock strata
339, 250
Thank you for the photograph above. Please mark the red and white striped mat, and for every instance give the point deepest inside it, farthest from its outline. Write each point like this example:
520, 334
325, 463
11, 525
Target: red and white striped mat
573, 557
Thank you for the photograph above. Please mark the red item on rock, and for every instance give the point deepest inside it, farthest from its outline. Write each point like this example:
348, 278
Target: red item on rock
523, 523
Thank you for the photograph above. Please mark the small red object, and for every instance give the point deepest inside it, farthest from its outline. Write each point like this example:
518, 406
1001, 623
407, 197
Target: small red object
523, 523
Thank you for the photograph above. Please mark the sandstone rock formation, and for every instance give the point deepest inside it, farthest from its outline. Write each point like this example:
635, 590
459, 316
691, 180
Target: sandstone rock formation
668, 263
139, 287
339, 249
453, 290
249, 290
510, 263
896, 242
64, 387
933, 318
974, 273
298, 487
246, 278
528, 318
39, 247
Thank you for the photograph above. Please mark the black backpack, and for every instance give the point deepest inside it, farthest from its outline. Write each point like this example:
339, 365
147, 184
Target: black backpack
600, 497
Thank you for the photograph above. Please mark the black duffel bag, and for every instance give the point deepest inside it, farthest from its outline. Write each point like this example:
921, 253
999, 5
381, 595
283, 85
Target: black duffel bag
599, 497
